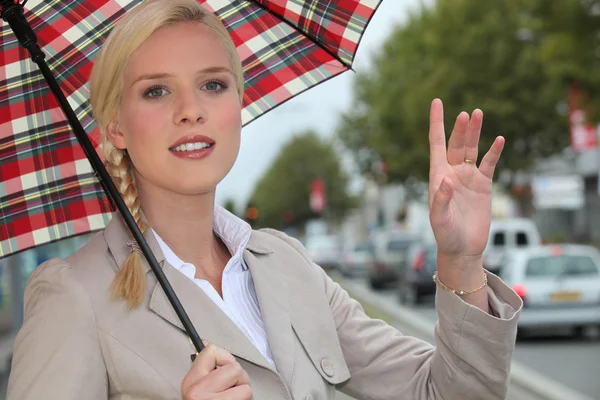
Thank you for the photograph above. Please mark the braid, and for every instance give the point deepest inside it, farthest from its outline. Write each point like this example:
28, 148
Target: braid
130, 282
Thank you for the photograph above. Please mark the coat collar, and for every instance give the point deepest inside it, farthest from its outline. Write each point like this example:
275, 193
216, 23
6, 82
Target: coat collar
117, 235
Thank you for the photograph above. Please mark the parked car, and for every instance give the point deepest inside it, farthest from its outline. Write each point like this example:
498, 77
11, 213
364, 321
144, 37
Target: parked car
559, 285
325, 250
418, 280
391, 254
507, 234
357, 260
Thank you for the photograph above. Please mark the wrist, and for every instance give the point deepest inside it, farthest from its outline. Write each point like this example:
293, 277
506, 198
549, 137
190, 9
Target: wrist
463, 272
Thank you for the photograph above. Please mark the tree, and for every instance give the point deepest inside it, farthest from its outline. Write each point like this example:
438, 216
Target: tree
505, 57
229, 205
282, 194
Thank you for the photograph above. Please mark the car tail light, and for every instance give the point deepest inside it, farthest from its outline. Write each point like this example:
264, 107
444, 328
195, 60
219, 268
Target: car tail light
520, 290
419, 262
556, 251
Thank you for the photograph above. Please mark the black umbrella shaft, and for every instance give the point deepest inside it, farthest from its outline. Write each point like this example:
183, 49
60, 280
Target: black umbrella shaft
13, 15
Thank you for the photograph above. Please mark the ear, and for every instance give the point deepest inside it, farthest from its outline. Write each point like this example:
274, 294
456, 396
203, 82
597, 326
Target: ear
115, 136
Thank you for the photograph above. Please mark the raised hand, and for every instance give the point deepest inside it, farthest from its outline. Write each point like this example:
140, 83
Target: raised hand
460, 193
460, 198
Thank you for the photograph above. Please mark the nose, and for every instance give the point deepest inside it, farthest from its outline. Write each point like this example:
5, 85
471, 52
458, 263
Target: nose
189, 108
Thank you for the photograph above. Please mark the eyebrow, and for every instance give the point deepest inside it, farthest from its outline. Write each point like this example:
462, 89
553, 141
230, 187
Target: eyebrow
160, 75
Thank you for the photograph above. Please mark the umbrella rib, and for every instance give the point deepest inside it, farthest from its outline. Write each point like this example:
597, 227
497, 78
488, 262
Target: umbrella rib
306, 34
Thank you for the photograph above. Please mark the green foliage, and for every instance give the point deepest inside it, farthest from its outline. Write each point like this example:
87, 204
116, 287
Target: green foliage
285, 186
514, 59
229, 205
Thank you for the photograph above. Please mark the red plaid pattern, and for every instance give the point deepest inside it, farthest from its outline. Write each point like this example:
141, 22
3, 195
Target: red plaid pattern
48, 190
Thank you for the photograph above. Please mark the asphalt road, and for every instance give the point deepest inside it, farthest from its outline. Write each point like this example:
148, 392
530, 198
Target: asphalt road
572, 361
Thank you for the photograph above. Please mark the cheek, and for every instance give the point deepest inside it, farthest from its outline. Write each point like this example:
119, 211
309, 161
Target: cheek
229, 118
140, 120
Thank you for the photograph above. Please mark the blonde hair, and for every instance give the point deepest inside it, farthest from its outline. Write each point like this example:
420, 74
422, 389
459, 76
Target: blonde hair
106, 82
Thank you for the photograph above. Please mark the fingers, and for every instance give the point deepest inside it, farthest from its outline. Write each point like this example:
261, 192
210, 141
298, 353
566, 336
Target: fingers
222, 379
439, 213
237, 393
437, 137
473, 133
456, 143
209, 358
205, 377
490, 160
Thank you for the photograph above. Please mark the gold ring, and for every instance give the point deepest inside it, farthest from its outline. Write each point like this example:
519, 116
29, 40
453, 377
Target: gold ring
469, 161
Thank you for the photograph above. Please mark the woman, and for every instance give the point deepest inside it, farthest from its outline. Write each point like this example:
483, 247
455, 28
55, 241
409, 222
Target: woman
166, 91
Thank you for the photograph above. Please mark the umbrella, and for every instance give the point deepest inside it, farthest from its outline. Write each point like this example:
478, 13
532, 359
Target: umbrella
49, 186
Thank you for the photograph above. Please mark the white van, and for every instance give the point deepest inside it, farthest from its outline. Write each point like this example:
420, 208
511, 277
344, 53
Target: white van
506, 234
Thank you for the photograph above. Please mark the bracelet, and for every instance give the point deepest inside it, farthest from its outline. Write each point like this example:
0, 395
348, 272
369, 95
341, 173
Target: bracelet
460, 292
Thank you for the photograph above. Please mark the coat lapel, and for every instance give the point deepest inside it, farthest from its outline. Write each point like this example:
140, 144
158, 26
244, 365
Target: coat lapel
273, 296
211, 323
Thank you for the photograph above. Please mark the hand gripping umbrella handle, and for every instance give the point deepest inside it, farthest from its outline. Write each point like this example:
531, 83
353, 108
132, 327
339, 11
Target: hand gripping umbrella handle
13, 14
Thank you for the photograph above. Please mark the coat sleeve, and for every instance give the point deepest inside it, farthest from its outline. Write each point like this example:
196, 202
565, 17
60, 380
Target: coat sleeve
471, 359
57, 353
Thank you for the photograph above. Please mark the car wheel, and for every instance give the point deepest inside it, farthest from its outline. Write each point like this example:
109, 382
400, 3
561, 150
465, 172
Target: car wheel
588, 332
522, 333
376, 284
411, 294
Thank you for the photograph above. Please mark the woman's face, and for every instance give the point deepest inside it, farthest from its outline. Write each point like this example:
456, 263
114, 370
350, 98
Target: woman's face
180, 112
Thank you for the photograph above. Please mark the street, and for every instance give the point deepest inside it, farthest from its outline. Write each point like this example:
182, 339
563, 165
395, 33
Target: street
571, 361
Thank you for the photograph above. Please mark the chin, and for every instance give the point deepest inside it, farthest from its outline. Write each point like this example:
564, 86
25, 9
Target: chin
195, 188
197, 185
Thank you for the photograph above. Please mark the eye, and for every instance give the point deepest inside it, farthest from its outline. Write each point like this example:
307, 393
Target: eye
214, 86
155, 92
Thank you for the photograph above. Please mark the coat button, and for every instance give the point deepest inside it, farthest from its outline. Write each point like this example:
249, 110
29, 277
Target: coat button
327, 367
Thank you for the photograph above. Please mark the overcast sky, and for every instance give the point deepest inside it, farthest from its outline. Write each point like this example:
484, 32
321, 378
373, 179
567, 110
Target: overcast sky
317, 108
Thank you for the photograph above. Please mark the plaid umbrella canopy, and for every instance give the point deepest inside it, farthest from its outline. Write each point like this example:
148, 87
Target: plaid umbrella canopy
48, 189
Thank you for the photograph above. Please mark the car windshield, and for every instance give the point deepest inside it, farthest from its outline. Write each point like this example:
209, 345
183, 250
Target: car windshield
363, 248
431, 256
568, 265
399, 245
322, 243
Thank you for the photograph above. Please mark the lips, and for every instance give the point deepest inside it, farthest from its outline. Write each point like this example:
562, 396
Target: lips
193, 147
192, 140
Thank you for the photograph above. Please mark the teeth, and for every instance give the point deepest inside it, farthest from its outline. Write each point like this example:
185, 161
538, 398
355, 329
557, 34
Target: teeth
191, 146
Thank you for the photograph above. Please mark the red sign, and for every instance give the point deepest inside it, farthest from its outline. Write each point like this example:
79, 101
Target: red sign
317, 199
584, 135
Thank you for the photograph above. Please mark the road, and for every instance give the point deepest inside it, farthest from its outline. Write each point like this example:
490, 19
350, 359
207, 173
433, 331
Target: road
571, 361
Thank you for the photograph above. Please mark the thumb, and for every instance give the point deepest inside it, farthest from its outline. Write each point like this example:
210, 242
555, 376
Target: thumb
440, 205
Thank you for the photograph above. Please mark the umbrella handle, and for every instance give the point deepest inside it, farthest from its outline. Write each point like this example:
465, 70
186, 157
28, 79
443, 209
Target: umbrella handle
13, 14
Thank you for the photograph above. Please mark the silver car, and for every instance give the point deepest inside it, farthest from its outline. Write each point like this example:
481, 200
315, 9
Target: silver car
325, 250
357, 260
559, 285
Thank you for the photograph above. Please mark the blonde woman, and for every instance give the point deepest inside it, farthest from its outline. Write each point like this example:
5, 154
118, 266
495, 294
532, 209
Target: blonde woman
166, 90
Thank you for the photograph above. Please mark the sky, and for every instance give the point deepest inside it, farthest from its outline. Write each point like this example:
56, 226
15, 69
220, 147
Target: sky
317, 108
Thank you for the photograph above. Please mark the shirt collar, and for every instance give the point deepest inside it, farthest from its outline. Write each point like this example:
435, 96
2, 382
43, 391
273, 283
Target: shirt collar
232, 230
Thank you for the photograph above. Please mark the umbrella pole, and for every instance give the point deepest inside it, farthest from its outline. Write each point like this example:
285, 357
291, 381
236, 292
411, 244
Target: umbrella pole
13, 14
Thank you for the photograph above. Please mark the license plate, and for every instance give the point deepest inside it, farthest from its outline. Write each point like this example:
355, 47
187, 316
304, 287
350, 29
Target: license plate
566, 296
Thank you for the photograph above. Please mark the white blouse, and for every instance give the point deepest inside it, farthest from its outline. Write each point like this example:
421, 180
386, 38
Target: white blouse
239, 301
